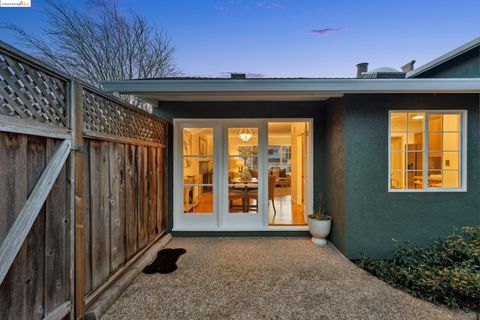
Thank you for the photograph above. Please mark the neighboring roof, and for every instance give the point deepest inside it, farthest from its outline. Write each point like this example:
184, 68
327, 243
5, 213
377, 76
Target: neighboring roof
446, 57
281, 89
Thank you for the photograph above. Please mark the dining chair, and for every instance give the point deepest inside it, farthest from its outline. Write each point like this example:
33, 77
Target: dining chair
235, 194
253, 194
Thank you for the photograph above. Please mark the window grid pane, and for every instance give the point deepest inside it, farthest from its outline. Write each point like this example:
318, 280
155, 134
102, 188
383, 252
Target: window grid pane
415, 179
407, 150
444, 161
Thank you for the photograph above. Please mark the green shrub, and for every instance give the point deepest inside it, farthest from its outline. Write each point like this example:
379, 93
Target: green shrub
447, 271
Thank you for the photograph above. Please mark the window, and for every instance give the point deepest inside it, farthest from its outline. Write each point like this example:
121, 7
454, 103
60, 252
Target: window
426, 150
280, 157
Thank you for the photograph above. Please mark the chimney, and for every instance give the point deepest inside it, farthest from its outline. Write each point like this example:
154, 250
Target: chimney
362, 67
408, 66
237, 75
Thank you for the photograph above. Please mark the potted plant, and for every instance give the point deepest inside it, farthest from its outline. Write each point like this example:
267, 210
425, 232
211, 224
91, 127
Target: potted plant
319, 225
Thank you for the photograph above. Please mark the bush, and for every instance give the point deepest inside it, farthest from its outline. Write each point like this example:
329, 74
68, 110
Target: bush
447, 271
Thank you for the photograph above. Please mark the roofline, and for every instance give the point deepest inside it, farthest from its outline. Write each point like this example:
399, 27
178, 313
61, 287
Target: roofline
334, 86
443, 58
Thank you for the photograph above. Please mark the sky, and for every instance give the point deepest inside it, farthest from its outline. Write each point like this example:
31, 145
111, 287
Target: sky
291, 38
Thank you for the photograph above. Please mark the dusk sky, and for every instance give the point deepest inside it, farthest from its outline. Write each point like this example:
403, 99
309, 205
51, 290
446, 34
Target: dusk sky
292, 38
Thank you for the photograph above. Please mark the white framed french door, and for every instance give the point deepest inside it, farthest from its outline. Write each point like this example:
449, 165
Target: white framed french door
244, 173
196, 175
220, 175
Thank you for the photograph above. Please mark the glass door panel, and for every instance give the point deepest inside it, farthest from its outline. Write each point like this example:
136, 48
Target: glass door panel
198, 170
243, 178
242, 157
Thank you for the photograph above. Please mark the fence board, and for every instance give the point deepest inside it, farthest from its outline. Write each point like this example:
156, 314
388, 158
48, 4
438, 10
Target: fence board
36, 160
152, 193
142, 193
122, 204
117, 207
131, 199
56, 243
13, 194
160, 186
86, 218
100, 211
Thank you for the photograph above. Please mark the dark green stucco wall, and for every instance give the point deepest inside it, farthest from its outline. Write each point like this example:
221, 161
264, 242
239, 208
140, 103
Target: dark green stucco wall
466, 65
351, 166
373, 216
225, 110
334, 169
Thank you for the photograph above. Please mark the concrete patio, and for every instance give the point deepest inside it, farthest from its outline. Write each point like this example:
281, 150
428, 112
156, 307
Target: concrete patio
267, 278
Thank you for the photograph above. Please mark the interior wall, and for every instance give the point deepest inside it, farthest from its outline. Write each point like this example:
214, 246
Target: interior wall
194, 167
279, 140
297, 132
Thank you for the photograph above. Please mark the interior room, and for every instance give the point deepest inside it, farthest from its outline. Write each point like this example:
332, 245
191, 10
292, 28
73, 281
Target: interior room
416, 161
283, 178
287, 168
243, 175
198, 170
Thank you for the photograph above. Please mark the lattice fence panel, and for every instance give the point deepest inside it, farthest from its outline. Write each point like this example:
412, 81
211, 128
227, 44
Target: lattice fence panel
106, 116
29, 93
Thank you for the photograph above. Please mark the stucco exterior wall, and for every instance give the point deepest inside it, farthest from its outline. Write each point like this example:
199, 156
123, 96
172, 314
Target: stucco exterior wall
351, 166
254, 109
466, 65
374, 216
335, 170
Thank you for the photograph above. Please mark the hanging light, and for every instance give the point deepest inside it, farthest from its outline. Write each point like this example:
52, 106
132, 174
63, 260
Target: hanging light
245, 134
417, 117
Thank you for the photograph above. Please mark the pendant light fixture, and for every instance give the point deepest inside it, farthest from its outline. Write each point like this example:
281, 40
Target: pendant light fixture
245, 134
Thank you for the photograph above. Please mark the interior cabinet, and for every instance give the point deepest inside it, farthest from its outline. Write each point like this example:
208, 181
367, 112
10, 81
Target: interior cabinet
191, 194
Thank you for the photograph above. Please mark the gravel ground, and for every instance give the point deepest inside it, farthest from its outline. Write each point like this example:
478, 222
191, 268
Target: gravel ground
267, 278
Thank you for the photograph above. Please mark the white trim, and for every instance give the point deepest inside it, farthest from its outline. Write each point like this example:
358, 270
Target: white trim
282, 89
216, 221
268, 228
463, 152
444, 58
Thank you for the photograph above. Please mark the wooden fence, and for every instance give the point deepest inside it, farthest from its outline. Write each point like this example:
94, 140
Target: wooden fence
81, 189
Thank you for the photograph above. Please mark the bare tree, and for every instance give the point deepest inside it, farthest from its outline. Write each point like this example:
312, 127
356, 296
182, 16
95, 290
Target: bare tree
102, 46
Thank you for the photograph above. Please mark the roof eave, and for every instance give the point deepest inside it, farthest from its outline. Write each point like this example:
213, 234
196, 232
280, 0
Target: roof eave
338, 86
446, 57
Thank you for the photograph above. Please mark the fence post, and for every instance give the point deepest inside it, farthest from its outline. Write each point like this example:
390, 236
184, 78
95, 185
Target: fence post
78, 156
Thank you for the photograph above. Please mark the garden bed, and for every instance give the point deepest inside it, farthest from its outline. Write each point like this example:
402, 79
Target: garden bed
445, 272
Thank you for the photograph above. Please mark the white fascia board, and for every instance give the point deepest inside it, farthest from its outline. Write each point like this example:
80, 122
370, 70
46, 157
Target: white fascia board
325, 86
443, 58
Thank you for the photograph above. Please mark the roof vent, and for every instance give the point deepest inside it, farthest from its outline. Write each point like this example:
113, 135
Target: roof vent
236, 75
408, 66
361, 67
383, 73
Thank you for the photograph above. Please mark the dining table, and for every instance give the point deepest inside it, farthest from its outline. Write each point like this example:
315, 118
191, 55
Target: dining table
244, 185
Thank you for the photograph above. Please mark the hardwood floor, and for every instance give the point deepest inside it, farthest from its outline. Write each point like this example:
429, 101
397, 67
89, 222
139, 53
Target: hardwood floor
205, 204
288, 213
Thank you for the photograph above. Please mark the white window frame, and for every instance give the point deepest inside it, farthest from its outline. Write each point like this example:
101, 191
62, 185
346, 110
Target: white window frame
463, 151
215, 221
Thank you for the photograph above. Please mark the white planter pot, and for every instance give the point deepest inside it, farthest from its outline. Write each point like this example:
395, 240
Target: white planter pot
319, 229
